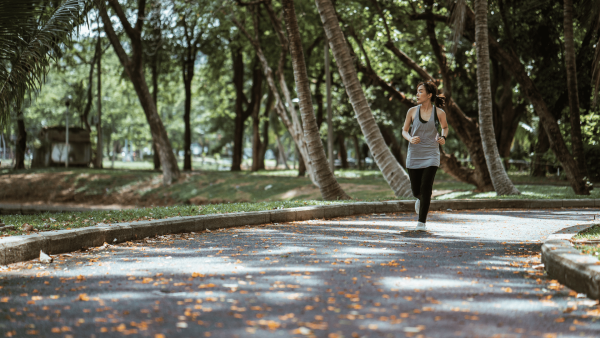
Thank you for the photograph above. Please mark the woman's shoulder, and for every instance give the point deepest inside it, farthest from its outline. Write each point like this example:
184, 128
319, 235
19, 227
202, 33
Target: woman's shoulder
413, 110
440, 111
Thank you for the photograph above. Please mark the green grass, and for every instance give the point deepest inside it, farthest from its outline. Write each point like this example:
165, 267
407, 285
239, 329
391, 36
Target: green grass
527, 192
589, 233
73, 220
592, 233
593, 250
224, 191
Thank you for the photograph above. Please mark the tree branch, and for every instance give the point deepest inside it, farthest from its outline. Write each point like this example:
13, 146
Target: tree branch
251, 3
112, 36
399, 54
141, 16
429, 16
123, 18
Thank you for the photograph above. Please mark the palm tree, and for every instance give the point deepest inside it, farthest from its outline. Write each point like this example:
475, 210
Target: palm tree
500, 180
393, 173
570, 61
330, 188
31, 35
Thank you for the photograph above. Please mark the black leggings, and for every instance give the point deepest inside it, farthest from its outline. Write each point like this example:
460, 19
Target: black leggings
421, 183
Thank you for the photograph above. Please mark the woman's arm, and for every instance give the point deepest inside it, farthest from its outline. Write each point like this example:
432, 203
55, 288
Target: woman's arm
409, 119
442, 118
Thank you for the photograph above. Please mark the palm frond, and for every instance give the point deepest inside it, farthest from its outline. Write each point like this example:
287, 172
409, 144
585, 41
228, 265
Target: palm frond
457, 22
31, 34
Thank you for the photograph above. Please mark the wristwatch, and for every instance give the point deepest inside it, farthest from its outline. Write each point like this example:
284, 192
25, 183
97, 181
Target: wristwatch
443, 137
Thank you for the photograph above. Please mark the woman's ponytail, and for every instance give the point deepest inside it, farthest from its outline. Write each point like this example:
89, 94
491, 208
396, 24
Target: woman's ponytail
440, 101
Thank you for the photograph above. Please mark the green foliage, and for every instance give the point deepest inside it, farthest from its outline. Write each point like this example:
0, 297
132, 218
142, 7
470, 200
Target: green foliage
31, 36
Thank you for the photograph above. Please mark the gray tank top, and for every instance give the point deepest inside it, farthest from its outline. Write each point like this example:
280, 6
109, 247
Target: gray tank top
427, 152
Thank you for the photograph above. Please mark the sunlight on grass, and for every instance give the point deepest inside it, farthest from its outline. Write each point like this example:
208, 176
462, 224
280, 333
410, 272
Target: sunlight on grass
527, 192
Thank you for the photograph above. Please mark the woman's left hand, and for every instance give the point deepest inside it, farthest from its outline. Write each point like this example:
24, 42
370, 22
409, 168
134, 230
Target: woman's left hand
441, 140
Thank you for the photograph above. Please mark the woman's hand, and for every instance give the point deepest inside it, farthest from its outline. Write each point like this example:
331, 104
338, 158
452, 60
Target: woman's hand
440, 140
415, 140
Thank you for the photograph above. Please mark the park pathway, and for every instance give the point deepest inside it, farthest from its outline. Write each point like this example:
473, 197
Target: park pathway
472, 274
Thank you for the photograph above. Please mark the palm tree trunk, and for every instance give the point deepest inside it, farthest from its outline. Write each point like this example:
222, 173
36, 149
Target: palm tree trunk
330, 188
500, 180
571, 65
393, 173
511, 62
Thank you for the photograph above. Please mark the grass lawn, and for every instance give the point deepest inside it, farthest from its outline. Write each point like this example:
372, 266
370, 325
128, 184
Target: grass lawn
592, 233
204, 192
72, 220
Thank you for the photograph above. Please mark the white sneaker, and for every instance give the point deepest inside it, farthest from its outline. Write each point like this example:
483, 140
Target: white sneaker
420, 226
417, 206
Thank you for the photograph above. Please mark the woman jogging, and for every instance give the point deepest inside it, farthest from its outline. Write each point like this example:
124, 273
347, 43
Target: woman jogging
423, 157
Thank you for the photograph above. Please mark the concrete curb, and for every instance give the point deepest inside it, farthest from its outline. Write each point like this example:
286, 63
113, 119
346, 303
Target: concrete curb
570, 267
22, 248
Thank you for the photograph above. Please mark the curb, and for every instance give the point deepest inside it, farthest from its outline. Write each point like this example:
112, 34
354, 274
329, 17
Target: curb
572, 268
15, 249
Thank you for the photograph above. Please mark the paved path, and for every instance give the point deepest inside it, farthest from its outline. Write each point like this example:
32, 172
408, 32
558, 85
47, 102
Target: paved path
471, 275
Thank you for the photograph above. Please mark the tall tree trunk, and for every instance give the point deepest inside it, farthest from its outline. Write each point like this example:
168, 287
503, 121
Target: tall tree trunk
301, 165
282, 156
90, 98
506, 114
319, 99
238, 129
256, 143
571, 65
99, 142
538, 165
264, 145
188, 76
154, 70
134, 68
342, 151
293, 126
21, 144
502, 183
511, 62
357, 156
330, 188
393, 173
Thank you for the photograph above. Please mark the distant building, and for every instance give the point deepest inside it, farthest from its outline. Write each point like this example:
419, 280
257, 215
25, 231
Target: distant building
53, 152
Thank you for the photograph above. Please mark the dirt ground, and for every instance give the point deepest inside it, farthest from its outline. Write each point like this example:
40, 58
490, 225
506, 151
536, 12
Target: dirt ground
61, 188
